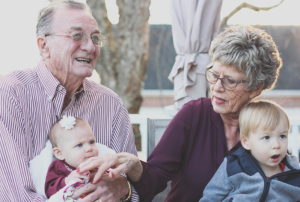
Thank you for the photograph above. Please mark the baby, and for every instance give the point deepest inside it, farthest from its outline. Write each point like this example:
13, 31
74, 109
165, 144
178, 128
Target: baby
73, 142
260, 170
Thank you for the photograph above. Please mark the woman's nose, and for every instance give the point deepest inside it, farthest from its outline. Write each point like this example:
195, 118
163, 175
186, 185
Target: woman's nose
218, 85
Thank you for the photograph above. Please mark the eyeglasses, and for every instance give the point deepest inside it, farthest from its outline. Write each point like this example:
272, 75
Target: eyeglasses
82, 37
227, 83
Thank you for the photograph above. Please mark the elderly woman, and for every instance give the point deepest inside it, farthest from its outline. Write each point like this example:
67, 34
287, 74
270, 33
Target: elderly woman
245, 62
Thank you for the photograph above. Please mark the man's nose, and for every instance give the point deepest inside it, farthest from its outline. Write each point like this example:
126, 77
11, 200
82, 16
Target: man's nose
87, 44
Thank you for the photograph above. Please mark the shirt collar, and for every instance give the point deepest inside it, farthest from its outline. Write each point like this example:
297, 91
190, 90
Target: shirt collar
50, 83
67, 166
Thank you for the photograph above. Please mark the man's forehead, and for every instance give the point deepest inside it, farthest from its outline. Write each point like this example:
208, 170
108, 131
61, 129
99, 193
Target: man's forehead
75, 19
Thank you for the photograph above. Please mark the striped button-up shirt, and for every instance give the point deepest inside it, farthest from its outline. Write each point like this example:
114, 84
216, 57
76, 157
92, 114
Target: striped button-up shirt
30, 102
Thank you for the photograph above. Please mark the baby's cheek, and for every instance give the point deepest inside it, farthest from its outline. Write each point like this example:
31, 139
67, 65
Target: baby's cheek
96, 151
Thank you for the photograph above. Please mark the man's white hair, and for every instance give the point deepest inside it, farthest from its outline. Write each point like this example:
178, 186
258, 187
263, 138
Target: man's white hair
45, 16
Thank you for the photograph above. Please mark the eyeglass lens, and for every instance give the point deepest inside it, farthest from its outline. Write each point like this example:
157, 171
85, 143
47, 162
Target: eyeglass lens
82, 37
226, 82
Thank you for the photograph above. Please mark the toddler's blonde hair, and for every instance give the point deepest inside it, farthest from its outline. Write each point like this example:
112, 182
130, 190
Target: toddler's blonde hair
264, 114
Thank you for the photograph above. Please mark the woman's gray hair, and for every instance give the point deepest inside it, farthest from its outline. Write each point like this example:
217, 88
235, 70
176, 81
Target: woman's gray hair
249, 50
45, 16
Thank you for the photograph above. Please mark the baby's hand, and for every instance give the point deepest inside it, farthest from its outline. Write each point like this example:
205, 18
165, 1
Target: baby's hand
76, 177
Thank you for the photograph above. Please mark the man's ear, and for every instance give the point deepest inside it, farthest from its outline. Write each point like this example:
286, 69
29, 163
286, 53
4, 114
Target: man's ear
58, 154
245, 143
42, 44
256, 92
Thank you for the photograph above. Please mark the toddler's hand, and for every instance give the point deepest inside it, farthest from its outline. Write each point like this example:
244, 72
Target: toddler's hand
76, 177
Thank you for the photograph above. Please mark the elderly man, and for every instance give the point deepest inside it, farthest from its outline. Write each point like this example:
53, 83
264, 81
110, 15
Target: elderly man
33, 100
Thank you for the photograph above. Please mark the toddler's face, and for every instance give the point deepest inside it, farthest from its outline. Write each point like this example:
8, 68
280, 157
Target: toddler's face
78, 145
268, 147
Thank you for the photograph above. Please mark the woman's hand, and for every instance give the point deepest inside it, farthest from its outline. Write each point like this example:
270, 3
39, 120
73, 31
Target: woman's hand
117, 164
106, 191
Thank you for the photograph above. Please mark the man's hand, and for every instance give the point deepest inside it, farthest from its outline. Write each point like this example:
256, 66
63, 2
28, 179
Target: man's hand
76, 177
107, 191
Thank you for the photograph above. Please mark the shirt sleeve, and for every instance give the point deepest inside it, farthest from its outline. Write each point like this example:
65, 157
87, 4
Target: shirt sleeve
16, 184
55, 179
219, 186
166, 158
122, 134
123, 138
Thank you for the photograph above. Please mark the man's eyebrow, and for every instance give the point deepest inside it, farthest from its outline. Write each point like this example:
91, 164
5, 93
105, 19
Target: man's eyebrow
96, 31
77, 28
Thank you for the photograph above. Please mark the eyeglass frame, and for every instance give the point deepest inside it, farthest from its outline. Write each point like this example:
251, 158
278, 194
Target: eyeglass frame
221, 79
86, 38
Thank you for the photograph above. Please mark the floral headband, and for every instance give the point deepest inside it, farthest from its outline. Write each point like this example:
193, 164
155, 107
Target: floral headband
67, 122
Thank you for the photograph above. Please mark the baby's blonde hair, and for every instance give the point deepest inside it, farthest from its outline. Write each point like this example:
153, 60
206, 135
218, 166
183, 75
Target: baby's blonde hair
264, 114
56, 131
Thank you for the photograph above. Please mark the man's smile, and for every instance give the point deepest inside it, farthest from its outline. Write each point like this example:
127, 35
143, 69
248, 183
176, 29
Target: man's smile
85, 60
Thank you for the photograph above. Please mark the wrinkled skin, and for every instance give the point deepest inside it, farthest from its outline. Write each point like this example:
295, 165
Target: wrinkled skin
118, 164
61, 53
103, 190
230, 103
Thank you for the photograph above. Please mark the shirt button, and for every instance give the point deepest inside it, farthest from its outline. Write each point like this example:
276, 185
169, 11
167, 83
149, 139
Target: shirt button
60, 88
50, 98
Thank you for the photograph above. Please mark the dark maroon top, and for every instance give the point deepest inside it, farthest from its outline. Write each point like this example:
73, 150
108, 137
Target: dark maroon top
189, 153
55, 179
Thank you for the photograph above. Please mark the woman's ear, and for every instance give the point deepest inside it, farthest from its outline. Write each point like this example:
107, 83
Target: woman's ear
42, 44
58, 154
245, 143
256, 92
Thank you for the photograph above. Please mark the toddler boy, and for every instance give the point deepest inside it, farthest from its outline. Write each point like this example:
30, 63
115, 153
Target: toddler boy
260, 170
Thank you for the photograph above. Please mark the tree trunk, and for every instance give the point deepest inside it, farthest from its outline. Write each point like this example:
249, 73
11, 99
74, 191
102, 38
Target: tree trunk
122, 63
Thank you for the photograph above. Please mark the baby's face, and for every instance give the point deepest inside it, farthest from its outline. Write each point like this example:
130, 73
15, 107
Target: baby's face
78, 144
269, 147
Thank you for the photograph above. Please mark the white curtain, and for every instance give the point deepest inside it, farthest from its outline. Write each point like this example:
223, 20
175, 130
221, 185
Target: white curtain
195, 23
